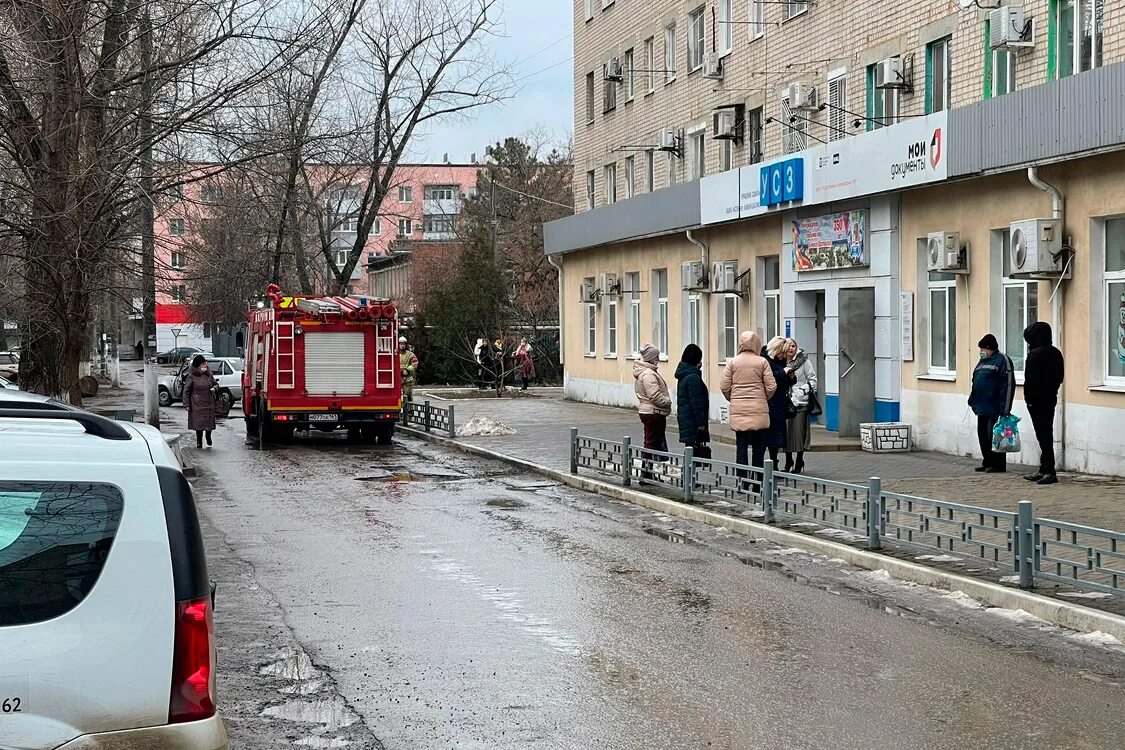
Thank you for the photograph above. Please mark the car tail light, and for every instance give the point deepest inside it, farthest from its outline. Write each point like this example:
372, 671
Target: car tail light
193, 663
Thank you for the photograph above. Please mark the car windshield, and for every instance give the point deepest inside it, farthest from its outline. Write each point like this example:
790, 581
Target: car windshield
7, 358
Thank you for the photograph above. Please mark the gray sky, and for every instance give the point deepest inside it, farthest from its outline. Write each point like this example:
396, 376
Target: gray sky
537, 41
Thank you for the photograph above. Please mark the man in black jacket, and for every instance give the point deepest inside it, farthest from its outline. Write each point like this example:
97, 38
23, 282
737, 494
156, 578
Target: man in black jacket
1042, 377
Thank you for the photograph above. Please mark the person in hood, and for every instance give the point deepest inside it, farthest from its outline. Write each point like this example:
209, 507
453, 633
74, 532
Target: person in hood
1042, 377
199, 399
748, 384
994, 389
483, 353
652, 393
524, 364
692, 401
804, 386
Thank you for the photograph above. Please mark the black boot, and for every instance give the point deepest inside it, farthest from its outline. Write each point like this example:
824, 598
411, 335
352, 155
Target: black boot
800, 467
788, 462
208, 438
198, 438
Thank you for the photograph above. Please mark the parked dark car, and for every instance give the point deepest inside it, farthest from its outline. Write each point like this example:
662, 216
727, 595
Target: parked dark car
177, 355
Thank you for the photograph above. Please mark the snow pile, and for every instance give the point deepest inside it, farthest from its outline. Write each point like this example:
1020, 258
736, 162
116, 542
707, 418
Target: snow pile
484, 426
846, 536
1019, 616
938, 558
962, 599
1097, 638
1085, 594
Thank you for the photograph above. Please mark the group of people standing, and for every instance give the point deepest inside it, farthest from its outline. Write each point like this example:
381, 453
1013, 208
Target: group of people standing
491, 369
772, 392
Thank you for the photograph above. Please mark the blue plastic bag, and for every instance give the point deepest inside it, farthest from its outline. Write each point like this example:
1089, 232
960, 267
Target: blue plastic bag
1006, 435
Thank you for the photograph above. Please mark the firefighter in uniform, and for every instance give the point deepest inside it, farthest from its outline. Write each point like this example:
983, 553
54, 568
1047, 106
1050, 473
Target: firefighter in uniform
408, 363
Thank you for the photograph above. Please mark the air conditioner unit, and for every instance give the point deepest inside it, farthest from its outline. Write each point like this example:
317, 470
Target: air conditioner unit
1036, 246
611, 71
610, 285
944, 253
725, 126
693, 275
724, 277
1009, 30
589, 293
803, 97
893, 74
713, 66
669, 141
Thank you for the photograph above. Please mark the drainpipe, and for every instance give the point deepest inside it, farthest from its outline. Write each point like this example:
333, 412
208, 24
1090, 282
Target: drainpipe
559, 268
1058, 211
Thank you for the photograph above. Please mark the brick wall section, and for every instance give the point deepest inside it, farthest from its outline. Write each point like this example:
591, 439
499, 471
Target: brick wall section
832, 34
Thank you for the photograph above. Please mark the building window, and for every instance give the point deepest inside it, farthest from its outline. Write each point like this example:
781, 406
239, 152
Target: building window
837, 104
1003, 72
650, 64
697, 38
725, 30
590, 97
795, 9
1078, 26
937, 76
630, 75
178, 259
660, 309
726, 155
589, 10
405, 194
697, 155
942, 291
439, 223
178, 293
591, 328
210, 194
340, 256
757, 19
771, 292
882, 103
176, 227
630, 176
1021, 305
377, 227
442, 192
611, 183
633, 325
1114, 298
611, 328
728, 326
754, 136
793, 136
670, 53
589, 190
609, 96
207, 334
693, 321
650, 171
405, 227
346, 223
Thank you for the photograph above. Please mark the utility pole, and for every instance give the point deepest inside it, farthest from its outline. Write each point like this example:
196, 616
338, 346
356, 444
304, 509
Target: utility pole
492, 192
147, 218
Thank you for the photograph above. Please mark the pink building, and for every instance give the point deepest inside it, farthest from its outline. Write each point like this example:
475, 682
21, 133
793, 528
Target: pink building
425, 205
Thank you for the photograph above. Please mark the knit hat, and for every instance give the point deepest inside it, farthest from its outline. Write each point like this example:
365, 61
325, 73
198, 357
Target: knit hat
692, 355
650, 353
989, 342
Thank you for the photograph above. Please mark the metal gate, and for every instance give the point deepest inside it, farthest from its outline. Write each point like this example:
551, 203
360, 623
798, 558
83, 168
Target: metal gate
334, 363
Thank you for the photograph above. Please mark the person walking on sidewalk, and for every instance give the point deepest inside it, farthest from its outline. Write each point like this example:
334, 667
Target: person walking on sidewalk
1042, 376
777, 436
747, 384
484, 364
408, 364
652, 393
994, 388
804, 386
199, 399
524, 364
692, 402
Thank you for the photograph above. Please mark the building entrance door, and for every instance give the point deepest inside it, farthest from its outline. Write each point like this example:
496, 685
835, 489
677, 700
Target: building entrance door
857, 359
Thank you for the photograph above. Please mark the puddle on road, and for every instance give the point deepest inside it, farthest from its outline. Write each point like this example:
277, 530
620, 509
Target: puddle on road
333, 713
402, 474
506, 503
292, 665
668, 535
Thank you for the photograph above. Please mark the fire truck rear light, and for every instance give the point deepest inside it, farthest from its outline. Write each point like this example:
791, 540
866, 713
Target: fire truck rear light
389, 311
281, 417
362, 314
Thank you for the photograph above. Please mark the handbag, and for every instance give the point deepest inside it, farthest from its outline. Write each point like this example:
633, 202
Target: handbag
814, 404
1006, 435
702, 451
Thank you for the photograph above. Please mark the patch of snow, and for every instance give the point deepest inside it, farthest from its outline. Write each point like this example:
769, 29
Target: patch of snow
880, 574
790, 551
838, 560
840, 534
1009, 579
484, 426
1085, 594
806, 523
1018, 615
962, 599
938, 558
1097, 638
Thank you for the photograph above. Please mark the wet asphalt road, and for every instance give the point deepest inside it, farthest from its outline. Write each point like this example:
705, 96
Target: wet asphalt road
447, 602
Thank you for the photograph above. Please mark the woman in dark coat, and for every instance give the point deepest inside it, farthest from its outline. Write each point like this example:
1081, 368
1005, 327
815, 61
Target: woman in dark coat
199, 398
692, 402
776, 354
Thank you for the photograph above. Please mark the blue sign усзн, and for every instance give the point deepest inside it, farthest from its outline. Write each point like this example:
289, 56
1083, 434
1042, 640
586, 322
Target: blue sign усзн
783, 182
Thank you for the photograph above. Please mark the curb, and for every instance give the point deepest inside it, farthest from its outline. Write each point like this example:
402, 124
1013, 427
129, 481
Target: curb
1064, 614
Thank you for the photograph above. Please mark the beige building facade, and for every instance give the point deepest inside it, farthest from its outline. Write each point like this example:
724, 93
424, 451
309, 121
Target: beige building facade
854, 174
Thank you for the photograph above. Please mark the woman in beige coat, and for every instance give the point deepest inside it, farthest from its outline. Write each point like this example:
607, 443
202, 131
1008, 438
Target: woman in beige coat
652, 395
748, 384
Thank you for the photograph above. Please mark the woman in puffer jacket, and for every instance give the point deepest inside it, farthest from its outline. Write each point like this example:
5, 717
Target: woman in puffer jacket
652, 395
799, 438
748, 384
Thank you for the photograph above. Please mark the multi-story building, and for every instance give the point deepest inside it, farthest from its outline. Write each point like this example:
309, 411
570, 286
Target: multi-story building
424, 205
876, 178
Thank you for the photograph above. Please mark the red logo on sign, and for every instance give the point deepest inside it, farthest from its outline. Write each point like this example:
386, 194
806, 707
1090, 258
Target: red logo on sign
935, 149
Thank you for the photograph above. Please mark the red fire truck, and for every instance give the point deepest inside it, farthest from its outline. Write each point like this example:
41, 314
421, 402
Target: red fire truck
323, 363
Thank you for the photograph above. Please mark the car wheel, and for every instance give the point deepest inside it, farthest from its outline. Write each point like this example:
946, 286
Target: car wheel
165, 397
226, 398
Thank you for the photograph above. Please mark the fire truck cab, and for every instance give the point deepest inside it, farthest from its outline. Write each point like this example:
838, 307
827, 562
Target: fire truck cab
323, 363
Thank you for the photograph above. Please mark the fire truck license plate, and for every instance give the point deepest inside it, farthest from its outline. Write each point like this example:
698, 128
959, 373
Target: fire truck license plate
323, 418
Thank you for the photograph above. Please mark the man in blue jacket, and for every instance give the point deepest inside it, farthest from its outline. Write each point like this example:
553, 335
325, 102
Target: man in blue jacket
994, 388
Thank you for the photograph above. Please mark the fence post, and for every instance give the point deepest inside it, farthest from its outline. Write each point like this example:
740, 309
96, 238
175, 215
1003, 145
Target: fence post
767, 492
874, 512
688, 474
573, 450
626, 461
1025, 544
452, 423
426, 418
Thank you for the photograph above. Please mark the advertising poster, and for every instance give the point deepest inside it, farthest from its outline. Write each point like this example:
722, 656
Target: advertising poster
832, 241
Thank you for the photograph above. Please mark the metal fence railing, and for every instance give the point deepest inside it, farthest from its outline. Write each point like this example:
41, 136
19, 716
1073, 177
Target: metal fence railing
1080, 556
430, 418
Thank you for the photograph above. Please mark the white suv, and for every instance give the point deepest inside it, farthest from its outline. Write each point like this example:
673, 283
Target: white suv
106, 631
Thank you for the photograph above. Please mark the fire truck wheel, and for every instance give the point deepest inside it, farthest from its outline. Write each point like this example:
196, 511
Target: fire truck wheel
251, 425
383, 435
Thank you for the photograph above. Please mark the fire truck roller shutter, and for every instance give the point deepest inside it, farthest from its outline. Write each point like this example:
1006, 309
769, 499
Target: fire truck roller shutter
334, 363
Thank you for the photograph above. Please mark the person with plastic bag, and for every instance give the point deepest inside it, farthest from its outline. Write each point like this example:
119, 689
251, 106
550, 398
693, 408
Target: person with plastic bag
693, 402
993, 390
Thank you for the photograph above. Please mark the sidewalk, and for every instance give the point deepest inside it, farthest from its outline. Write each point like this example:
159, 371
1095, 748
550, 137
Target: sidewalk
543, 425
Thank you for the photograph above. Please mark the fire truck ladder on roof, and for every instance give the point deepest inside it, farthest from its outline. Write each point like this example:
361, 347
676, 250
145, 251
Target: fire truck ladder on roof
285, 354
319, 306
